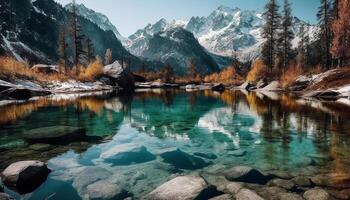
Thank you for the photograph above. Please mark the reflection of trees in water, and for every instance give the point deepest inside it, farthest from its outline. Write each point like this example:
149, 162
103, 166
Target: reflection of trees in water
166, 96
327, 122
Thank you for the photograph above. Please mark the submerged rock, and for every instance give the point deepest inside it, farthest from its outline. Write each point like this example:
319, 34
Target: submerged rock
238, 153
233, 188
289, 196
302, 181
247, 175
105, 190
25, 176
40, 147
131, 156
179, 188
332, 180
182, 160
55, 135
316, 194
206, 155
89, 176
4, 196
286, 184
246, 194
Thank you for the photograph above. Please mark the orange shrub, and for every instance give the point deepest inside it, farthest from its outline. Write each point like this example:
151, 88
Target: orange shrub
92, 72
290, 75
257, 72
227, 76
11, 68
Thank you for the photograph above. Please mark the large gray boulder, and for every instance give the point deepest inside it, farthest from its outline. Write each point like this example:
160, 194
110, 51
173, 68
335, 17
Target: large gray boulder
25, 176
179, 188
120, 75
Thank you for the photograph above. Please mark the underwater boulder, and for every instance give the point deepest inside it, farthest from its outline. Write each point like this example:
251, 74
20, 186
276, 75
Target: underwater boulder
55, 135
182, 160
25, 176
130, 156
247, 175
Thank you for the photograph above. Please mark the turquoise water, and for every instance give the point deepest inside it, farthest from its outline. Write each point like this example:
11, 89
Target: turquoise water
138, 142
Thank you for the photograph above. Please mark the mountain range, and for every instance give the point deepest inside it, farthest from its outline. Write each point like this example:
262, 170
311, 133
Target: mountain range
210, 41
30, 32
224, 32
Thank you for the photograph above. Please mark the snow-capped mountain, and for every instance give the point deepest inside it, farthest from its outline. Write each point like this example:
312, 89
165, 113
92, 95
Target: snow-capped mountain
29, 31
223, 32
176, 46
99, 19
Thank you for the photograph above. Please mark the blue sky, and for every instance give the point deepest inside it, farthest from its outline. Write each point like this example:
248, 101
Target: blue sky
131, 15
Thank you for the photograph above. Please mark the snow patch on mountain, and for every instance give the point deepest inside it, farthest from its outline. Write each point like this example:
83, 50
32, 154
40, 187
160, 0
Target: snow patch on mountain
99, 19
224, 32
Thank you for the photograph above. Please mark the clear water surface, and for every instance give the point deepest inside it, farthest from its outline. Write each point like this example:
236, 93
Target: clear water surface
140, 141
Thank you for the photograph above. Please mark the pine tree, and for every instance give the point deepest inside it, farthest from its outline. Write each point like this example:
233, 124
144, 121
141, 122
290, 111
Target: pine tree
270, 33
325, 34
62, 50
108, 56
286, 35
89, 49
335, 10
341, 30
76, 37
168, 74
143, 68
192, 70
302, 50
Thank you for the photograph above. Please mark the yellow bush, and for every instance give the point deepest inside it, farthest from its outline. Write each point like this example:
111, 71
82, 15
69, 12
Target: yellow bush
11, 68
290, 75
227, 76
92, 72
257, 72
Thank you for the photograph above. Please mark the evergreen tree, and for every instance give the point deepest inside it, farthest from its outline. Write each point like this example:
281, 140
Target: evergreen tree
325, 34
89, 49
76, 37
270, 33
168, 74
62, 50
341, 30
302, 57
108, 56
286, 35
192, 70
335, 10
144, 68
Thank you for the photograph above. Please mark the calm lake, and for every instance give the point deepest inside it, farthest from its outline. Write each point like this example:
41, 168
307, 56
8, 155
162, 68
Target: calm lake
139, 142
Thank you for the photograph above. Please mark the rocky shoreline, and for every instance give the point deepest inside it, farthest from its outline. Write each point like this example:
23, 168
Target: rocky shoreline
238, 182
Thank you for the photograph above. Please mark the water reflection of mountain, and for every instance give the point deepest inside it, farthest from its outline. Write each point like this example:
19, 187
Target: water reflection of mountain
170, 113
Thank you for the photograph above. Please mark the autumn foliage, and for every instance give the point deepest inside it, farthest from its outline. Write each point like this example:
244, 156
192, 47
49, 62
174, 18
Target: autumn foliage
93, 71
11, 69
257, 72
227, 76
290, 75
341, 31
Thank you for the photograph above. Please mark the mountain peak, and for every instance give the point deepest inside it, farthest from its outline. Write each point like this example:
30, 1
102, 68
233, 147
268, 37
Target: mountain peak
97, 18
